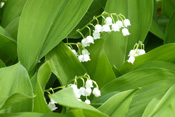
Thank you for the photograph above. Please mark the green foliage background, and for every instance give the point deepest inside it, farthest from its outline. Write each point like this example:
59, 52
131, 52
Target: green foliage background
34, 57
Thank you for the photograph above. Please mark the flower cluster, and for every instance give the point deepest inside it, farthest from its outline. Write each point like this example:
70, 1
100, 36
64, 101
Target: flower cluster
136, 52
110, 24
86, 89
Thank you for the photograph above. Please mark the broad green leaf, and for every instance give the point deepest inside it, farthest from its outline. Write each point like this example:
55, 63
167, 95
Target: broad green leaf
99, 67
66, 97
156, 29
12, 28
140, 13
11, 10
168, 7
169, 32
159, 105
56, 20
84, 113
118, 105
158, 64
32, 114
154, 82
40, 104
153, 55
7, 45
15, 87
64, 64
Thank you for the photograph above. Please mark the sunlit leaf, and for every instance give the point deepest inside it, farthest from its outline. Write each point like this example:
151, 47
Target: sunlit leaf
39, 32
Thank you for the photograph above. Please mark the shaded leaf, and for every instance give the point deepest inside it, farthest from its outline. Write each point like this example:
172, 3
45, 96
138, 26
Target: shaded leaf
64, 64
169, 32
11, 10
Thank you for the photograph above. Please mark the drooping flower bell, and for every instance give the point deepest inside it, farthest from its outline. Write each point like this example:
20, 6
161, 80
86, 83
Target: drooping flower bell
108, 21
106, 28
125, 32
127, 22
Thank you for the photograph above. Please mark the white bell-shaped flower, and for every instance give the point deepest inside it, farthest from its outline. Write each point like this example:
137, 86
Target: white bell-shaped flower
108, 21
84, 58
132, 52
106, 28
96, 35
141, 51
89, 84
125, 32
96, 92
52, 106
81, 58
85, 43
88, 91
98, 28
119, 23
87, 101
131, 59
127, 22
85, 51
89, 39
76, 90
115, 27
82, 91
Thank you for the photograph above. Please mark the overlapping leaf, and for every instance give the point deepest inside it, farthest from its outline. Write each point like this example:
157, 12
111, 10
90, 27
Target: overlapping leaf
64, 64
40, 104
153, 81
15, 87
39, 32
12, 10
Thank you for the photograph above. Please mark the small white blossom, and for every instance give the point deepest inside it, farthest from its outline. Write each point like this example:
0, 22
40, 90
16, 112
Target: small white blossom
52, 106
82, 91
96, 35
85, 51
106, 28
89, 84
76, 90
115, 27
84, 58
2, 4
141, 51
108, 21
96, 92
132, 53
125, 32
87, 41
84, 43
127, 22
90, 39
88, 91
98, 28
87, 101
119, 23
131, 59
